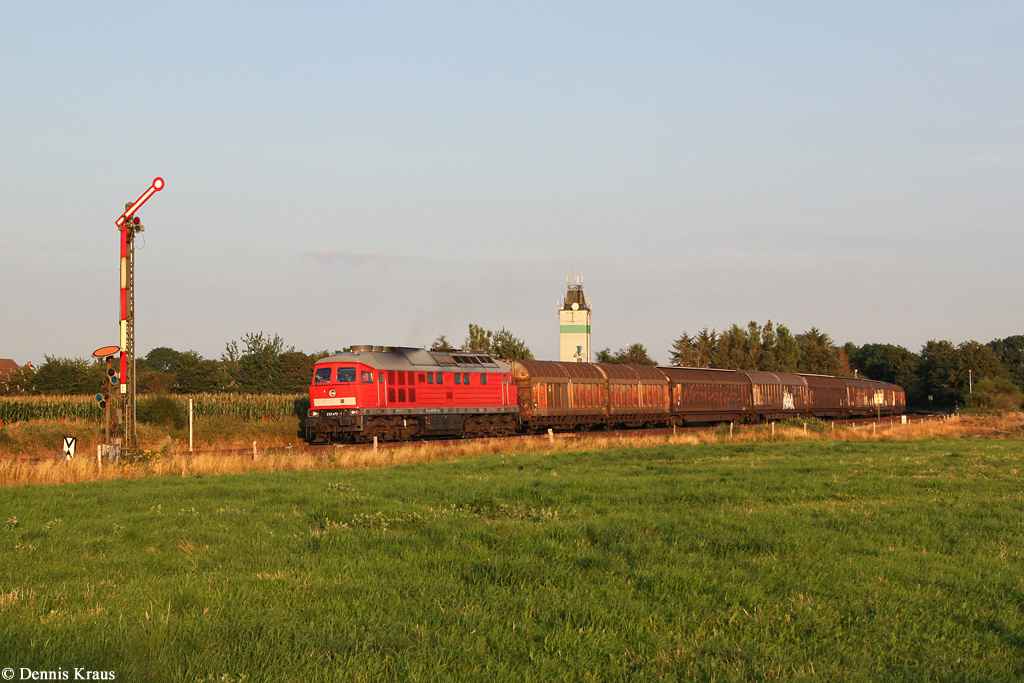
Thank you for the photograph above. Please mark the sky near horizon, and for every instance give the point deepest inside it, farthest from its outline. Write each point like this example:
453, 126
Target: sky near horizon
382, 173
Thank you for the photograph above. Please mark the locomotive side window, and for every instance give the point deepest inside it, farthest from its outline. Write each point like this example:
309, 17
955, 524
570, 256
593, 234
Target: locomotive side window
458, 378
483, 379
440, 378
380, 378
322, 376
465, 378
367, 377
430, 378
346, 375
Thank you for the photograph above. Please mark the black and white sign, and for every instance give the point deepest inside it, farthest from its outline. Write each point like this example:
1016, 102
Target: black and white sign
69, 446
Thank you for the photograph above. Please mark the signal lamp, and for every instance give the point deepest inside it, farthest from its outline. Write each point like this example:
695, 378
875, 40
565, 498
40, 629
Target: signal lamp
99, 398
113, 379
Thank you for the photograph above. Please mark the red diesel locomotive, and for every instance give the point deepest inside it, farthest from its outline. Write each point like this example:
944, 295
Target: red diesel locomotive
397, 393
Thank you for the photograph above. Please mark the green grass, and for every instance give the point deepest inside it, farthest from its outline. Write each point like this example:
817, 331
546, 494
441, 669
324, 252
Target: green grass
839, 561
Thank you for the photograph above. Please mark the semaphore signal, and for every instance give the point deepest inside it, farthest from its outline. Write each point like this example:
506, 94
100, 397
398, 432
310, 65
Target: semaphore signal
158, 184
129, 224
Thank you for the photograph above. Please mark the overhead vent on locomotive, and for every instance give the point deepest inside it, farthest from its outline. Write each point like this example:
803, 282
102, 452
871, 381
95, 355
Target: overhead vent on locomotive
444, 359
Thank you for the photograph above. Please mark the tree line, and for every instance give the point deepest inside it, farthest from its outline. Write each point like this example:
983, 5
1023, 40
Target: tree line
258, 363
768, 348
942, 375
501, 344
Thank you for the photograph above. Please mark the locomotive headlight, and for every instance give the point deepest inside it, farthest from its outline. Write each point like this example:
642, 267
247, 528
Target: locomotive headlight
313, 413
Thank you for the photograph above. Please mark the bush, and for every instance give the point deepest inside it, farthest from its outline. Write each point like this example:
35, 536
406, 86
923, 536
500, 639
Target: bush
161, 410
813, 424
7, 443
994, 394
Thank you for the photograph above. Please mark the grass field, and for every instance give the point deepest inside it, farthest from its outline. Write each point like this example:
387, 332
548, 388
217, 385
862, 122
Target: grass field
35, 426
818, 560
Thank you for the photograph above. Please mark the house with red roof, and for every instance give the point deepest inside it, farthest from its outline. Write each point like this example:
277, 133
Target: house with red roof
7, 366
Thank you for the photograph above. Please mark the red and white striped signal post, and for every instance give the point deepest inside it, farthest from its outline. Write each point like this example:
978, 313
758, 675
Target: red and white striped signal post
129, 225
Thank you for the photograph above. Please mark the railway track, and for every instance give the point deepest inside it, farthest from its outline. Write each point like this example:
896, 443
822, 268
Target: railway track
856, 423
859, 422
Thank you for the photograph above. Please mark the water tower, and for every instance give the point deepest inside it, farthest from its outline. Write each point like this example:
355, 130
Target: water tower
574, 323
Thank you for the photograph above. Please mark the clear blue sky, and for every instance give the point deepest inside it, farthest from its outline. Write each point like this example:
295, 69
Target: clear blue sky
381, 173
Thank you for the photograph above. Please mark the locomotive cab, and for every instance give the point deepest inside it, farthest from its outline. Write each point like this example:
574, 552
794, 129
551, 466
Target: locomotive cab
335, 386
337, 395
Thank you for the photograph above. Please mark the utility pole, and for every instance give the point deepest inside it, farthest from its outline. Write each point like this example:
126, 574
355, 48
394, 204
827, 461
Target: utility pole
129, 224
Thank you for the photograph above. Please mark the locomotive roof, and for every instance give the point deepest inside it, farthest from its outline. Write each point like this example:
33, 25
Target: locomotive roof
407, 358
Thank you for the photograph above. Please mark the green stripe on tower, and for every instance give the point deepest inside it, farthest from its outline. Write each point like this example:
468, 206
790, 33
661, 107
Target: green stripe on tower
575, 328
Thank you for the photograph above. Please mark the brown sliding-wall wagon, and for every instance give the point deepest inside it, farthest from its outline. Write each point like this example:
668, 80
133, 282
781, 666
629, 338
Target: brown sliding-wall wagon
567, 395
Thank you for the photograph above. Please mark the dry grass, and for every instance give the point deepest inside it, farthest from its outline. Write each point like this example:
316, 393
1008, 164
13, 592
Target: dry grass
44, 438
173, 459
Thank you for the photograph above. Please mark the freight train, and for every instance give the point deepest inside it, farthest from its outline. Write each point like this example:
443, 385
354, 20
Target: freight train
398, 393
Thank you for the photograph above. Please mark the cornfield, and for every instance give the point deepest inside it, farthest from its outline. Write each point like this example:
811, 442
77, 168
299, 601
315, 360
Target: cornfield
22, 408
241, 406
245, 406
